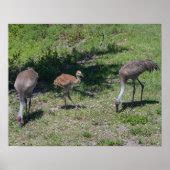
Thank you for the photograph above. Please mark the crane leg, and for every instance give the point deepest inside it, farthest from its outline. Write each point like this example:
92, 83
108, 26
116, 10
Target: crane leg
26, 104
65, 104
20, 113
70, 98
134, 90
65, 100
64, 97
29, 106
142, 86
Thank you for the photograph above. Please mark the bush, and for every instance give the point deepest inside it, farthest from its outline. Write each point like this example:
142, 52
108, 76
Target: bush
50, 48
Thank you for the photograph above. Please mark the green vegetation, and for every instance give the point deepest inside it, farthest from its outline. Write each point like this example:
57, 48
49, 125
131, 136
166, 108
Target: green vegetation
108, 142
98, 51
87, 135
133, 119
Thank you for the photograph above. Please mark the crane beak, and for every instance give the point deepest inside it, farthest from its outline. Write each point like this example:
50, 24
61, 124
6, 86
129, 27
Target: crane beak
54, 83
20, 121
116, 104
117, 107
82, 75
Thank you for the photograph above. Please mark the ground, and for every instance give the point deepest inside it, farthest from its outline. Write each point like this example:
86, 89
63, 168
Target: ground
95, 121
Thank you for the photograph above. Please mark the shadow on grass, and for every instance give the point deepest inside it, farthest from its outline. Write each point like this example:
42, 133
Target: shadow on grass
43, 87
94, 81
68, 107
85, 92
126, 105
51, 65
33, 116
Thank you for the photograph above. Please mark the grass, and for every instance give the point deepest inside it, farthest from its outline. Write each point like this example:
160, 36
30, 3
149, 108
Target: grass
87, 134
133, 119
67, 48
108, 142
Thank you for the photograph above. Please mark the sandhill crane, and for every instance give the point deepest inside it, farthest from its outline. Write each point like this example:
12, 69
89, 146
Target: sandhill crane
132, 70
67, 82
24, 85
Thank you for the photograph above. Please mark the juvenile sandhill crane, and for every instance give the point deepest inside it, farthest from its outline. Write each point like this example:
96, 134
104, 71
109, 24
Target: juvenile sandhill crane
67, 82
24, 85
132, 70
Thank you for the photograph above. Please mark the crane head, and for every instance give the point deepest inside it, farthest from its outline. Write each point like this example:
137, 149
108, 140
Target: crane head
79, 73
20, 121
117, 103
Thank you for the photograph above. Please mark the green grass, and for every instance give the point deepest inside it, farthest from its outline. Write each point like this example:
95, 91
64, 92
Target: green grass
87, 134
142, 131
54, 49
133, 119
108, 142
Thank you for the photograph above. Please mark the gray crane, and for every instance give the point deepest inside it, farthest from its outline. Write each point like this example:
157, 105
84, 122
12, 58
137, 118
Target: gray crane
132, 70
24, 85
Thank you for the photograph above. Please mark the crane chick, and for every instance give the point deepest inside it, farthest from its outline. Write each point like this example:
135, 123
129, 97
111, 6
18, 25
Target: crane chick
24, 85
67, 82
132, 70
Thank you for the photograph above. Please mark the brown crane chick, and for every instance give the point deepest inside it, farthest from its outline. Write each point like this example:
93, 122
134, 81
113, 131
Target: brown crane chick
24, 85
132, 70
67, 82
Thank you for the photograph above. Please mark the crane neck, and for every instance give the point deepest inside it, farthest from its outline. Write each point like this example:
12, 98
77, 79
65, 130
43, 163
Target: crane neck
78, 79
119, 98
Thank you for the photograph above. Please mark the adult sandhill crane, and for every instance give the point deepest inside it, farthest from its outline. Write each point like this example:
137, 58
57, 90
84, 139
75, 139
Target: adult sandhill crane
67, 82
24, 85
132, 70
